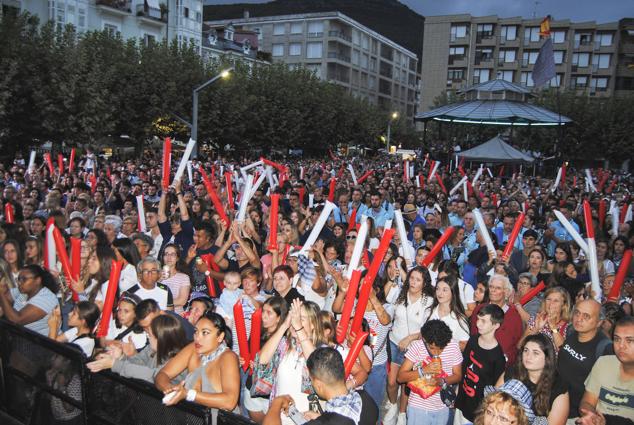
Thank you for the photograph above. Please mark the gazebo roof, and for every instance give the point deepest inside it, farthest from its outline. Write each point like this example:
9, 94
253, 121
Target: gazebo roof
494, 112
495, 102
496, 150
497, 85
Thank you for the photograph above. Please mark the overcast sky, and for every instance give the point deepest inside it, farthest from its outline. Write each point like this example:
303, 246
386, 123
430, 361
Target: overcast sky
575, 10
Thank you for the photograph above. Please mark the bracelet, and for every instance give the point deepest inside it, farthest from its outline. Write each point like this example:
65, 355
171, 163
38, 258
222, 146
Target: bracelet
179, 193
297, 330
191, 395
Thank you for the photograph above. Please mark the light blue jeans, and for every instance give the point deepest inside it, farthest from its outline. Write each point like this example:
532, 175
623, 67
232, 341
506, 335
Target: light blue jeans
376, 384
423, 417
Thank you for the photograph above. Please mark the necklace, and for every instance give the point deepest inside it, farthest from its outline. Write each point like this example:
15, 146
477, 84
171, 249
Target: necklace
214, 354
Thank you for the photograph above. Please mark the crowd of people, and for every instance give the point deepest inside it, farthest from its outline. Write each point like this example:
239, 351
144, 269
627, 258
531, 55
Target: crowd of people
459, 321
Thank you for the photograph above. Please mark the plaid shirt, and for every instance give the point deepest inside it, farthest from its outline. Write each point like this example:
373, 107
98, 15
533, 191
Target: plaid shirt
348, 405
306, 269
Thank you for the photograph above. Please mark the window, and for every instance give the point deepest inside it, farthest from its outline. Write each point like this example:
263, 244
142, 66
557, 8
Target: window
481, 75
558, 36
112, 30
583, 39
364, 60
506, 76
372, 82
529, 57
579, 81
531, 34
559, 56
509, 32
316, 28
279, 29
506, 55
555, 81
315, 68
581, 60
149, 39
297, 28
372, 64
456, 51
295, 49
186, 12
599, 83
455, 75
314, 50
601, 61
278, 50
527, 79
604, 39
485, 30
258, 31
356, 39
81, 18
458, 31
355, 57
365, 42
483, 55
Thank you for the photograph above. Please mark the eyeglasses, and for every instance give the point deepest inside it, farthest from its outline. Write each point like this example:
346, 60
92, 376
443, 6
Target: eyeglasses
170, 254
23, 279
153, 271
350, 237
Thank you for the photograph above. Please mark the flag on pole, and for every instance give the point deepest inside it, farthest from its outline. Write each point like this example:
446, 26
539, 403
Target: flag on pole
544, 69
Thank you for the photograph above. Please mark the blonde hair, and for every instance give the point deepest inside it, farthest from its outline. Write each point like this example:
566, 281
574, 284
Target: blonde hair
501, 401
312, 314
566, 308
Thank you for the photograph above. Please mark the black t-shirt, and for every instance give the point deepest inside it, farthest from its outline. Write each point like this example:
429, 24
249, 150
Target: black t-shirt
574, 365
199, 280
480, 368
291, 295
369, 414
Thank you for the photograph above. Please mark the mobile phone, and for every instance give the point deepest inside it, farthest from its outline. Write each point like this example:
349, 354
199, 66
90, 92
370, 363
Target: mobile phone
296, 415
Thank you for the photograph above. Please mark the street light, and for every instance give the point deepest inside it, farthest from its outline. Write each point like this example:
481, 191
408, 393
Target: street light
393, 117
194, 133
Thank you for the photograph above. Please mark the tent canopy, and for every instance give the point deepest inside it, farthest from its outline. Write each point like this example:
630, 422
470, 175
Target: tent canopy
496, 150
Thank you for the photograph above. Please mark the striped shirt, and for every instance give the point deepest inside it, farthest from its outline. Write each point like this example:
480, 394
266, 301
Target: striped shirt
450, 357
380, 333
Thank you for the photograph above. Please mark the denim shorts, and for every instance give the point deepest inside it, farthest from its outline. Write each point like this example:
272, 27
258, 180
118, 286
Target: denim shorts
398, 357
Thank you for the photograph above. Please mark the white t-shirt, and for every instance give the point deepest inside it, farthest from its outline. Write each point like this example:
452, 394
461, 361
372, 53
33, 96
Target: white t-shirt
408, 320
160, 293
466, 293
138, 339
128, 278
86, 343
459, 328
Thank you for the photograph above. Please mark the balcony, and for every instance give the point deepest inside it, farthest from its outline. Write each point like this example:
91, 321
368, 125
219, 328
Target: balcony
117, 7
339, 56
485, 37
584, 43
341, 35
151, 14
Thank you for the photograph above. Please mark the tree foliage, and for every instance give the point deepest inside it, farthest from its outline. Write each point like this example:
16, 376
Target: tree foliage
93, 87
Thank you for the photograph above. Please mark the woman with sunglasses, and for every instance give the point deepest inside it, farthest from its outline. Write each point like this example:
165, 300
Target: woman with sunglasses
32, 302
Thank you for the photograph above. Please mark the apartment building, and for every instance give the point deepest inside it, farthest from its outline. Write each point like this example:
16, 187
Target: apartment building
149, 20
461, 50
341, 50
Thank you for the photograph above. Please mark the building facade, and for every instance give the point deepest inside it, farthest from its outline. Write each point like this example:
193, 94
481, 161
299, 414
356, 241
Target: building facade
340, 50
461, 50
147, 20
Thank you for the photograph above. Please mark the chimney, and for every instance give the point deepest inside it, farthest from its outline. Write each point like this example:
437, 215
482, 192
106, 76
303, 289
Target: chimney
245, 14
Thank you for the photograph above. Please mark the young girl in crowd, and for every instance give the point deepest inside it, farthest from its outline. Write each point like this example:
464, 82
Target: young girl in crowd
81, 320
124, 327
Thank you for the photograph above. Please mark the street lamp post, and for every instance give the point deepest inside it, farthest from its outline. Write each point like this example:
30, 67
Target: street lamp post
194, 128
393, 116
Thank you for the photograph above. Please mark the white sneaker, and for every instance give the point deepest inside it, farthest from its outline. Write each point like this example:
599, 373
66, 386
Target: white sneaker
402, 419
391, 411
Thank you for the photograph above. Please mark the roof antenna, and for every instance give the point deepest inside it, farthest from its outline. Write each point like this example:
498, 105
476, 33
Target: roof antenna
535, 9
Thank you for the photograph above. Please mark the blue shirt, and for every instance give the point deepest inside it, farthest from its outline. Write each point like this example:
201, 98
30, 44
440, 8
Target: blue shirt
379, 217
45, 300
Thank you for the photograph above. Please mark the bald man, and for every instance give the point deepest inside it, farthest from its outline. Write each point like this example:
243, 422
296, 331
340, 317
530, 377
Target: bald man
580, 351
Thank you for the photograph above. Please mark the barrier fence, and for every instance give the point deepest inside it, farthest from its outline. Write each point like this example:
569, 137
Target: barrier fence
45, 382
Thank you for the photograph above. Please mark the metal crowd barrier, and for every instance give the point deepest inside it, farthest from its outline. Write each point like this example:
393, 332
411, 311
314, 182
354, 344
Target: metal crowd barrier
45, 382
